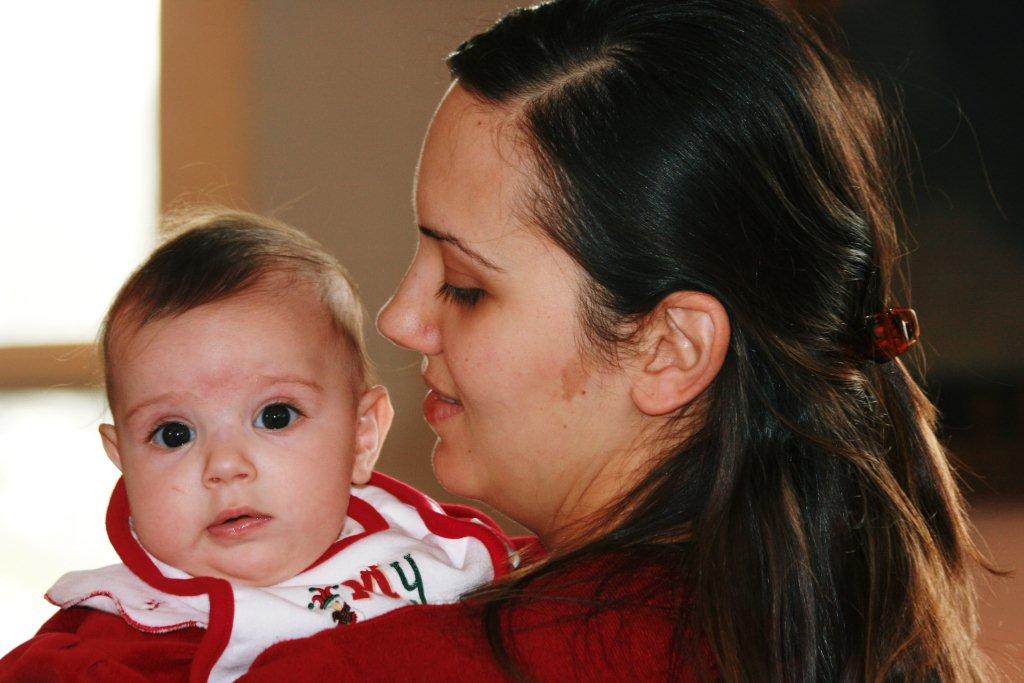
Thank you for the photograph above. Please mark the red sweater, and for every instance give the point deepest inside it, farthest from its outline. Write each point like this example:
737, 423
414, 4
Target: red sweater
557, 638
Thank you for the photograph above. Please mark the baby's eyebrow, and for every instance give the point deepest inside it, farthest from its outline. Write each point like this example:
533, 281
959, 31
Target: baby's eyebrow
288, 379
147, 403
441, 236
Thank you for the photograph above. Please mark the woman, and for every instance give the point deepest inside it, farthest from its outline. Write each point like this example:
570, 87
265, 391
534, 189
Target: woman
652, 292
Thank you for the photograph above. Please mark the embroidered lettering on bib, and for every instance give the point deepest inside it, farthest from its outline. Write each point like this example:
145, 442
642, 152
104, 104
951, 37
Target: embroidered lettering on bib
417, 584
373, 580
362, 588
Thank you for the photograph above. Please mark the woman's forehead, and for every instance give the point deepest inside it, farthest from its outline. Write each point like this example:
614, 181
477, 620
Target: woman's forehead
473, 178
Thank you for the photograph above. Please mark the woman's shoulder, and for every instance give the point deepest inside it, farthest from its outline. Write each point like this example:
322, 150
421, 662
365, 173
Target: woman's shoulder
428, 642
558, 630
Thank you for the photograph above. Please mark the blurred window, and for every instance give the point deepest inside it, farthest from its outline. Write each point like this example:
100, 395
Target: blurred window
79, 178
78, 131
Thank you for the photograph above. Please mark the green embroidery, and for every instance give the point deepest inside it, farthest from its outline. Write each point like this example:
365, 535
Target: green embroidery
325, 596
417, 585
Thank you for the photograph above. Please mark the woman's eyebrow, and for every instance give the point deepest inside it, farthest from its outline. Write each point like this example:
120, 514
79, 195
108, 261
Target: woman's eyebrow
452, 239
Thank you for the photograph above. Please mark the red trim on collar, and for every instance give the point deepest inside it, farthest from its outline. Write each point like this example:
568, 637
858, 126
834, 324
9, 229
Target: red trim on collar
221, 595
456, 524
222, 602
371, 521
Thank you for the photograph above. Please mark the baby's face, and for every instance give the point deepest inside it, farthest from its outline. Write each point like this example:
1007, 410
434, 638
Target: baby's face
239, 431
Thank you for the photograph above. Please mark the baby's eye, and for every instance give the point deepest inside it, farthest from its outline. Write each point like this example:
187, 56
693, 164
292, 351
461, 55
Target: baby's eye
172, 435
276, 416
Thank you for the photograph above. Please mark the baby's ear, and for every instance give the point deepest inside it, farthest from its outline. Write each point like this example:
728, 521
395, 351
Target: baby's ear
373, 420
108, 435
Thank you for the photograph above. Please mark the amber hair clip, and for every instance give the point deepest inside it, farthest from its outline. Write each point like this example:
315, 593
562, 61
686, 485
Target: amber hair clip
890, 333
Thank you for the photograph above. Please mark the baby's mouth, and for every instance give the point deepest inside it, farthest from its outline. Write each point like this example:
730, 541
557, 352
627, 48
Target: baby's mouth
237, 522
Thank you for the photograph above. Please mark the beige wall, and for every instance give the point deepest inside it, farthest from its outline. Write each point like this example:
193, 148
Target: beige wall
206, 96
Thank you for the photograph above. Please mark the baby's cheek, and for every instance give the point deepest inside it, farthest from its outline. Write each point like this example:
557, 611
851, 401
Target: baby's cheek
156, 540
163, 522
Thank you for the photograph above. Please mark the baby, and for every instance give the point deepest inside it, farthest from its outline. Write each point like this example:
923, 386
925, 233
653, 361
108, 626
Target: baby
243, 412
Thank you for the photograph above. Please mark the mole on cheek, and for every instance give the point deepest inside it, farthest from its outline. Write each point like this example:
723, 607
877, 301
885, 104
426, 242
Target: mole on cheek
574, 380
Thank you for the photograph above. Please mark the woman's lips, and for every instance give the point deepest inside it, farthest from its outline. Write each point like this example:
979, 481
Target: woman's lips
437, 407
238, 523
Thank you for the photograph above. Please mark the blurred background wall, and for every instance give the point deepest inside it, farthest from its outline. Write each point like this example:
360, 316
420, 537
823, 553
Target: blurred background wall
314, 112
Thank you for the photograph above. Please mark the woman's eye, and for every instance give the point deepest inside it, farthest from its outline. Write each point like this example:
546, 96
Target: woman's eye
276, 416
172, 435
467, 297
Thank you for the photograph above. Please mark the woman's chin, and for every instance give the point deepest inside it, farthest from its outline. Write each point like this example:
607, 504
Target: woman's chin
453, 471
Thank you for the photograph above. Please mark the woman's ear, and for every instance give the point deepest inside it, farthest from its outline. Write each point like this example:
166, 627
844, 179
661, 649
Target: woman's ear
108, 435
373, 420
684, 346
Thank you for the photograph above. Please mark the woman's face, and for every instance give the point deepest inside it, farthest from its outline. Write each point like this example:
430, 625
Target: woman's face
523, 420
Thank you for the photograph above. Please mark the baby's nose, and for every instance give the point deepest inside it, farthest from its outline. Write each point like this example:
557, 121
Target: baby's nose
227, 463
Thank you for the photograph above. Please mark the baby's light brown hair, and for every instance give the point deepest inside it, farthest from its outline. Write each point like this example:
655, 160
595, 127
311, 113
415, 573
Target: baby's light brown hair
213, 254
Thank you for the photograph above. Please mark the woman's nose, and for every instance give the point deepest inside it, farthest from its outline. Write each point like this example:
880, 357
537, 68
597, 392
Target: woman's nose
409, 317
226, 463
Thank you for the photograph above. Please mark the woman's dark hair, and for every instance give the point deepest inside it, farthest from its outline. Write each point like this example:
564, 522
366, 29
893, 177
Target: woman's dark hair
720, 146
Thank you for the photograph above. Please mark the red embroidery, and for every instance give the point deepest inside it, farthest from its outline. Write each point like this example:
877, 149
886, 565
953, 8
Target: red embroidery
361, 589
322, 597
